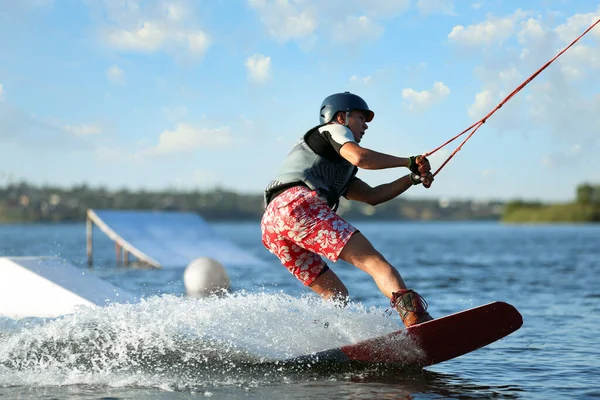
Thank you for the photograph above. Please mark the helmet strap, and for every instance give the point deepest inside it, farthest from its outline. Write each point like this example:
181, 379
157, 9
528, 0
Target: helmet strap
347, 118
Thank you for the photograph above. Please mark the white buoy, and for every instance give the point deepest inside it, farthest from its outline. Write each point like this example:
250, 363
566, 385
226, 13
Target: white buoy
204, 277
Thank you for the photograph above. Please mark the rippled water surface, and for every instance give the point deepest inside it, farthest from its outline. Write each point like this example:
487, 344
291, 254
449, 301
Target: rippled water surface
169, 346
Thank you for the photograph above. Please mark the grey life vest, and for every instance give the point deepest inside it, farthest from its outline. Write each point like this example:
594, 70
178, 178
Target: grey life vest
313, 162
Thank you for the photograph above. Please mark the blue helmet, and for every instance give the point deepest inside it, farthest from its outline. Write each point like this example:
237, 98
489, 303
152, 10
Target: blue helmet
344, 102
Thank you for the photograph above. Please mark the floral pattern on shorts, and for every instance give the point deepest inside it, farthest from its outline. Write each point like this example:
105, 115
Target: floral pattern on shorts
299, 228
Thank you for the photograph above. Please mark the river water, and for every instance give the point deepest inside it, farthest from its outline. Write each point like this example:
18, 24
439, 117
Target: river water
170, 346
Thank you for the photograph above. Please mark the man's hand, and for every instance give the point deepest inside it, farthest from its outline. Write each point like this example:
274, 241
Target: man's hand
419, 165
421, 171
427, 180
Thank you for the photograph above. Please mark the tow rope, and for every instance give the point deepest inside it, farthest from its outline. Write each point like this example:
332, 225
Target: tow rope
478, 124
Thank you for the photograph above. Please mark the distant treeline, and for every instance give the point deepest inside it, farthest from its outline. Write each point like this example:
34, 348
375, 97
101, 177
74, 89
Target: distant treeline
586, 208
23, 202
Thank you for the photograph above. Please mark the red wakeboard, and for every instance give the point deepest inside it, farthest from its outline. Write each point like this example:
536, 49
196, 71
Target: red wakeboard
431, 342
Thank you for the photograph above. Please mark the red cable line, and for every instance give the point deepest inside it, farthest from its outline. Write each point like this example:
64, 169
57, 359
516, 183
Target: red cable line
478, 124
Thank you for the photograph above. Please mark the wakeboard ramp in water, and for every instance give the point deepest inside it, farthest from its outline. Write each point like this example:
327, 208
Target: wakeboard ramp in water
168, 238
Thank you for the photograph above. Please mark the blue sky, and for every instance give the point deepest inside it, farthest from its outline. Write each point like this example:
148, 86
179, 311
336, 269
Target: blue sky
199, 94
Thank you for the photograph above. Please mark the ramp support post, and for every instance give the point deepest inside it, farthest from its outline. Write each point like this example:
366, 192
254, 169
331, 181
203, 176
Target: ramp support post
89, 227
118, 252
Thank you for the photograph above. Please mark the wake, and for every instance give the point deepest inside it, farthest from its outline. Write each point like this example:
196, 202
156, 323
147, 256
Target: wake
173, 342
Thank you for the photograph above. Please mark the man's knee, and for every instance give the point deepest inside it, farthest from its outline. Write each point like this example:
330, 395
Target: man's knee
358, 247
363, 256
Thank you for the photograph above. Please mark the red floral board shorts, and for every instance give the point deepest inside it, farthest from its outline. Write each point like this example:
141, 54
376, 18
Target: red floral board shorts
299, 228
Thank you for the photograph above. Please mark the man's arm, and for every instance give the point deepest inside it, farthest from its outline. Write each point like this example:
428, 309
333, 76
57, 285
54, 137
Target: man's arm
364, 158
361, 191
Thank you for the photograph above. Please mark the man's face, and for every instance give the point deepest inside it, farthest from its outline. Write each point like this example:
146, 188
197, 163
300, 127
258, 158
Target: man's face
357, 124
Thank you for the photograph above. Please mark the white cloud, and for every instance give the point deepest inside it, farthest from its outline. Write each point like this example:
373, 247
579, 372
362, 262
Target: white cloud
499, 83
577, 24
259, 68
483, 104
174, 11
366, 80
493, 30
426, 98
1, 92
141, 27
304, 21
436, 7
197, 42
510, 75
356, 28
187, 138
83, 129
114, 74
286, 20
531, 29
585, 55
560, 101
147, 37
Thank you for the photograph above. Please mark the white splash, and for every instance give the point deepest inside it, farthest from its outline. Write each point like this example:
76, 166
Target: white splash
173, 342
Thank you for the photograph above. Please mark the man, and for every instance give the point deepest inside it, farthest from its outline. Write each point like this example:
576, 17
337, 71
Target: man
300, 225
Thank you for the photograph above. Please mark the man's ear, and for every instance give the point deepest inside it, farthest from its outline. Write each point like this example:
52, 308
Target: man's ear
341, 118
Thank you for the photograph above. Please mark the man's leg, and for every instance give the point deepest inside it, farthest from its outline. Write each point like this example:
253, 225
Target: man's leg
330, 287
361, 253
409, 304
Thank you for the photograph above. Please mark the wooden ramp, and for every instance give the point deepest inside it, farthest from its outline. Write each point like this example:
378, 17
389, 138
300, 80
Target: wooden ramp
49, 287
164, 238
